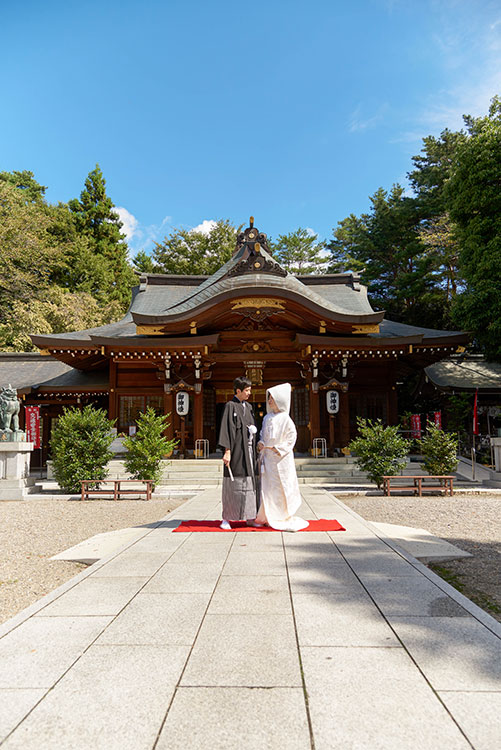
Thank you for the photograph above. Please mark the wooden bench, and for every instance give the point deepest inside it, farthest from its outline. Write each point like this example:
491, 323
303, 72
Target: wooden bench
116, 492
442, 482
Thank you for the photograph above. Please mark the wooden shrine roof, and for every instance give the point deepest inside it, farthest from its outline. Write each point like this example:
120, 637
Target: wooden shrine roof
28, 371
165, 308
465, 374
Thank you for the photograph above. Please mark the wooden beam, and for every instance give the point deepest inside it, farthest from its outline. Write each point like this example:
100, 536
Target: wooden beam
198, 416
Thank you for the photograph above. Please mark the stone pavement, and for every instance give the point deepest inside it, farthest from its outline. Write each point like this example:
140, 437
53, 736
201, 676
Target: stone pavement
252, 640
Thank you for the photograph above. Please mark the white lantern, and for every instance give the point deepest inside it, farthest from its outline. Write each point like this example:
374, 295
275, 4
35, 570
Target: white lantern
182, 403
332, 402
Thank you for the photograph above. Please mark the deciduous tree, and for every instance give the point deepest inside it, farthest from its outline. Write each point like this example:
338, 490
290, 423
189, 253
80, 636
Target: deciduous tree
56, 310
300, 252
27, 256
188, 251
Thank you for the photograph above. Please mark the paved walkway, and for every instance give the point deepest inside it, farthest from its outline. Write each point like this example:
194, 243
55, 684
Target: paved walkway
252, 640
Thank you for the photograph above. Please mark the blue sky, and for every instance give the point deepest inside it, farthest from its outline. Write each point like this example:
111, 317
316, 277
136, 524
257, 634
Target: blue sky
294, 112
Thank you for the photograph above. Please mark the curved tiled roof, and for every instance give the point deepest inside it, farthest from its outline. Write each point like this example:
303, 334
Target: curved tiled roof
389, 328
465, 374
339, 299
31, 370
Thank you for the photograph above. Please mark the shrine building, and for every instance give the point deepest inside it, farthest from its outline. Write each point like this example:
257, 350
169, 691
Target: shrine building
195, 334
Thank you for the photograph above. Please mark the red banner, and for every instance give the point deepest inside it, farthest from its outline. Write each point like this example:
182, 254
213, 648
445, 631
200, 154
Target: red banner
475, 414
416, 426
437, 418
32, 416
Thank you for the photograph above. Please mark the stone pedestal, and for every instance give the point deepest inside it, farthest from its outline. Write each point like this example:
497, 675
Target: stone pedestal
496, 444
15, 470
495, 477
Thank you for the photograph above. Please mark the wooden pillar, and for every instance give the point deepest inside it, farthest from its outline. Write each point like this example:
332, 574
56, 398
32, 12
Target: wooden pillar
46, 425
198, 415
332, 434
113, 398
392, 405
314, 414
169, 409
344, 419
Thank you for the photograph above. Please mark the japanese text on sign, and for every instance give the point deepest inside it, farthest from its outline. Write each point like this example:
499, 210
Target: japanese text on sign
332, 402
182, 403
32, 415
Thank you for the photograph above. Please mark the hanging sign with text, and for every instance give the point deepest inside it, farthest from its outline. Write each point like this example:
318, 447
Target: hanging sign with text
437, 419
332, 402
182, 403
32, 417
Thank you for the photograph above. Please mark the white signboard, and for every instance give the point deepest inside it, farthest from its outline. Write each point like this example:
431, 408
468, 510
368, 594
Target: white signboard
332, 402
182, 403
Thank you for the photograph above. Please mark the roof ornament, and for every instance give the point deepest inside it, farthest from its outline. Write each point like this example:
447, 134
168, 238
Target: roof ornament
255, 254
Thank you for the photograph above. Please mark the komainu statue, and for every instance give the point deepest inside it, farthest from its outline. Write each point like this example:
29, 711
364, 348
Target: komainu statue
9, 409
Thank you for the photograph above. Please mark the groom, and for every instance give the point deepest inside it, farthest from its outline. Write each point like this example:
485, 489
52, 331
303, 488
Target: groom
237, 437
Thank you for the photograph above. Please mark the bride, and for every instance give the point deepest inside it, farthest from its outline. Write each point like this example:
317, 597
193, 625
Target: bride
280, 497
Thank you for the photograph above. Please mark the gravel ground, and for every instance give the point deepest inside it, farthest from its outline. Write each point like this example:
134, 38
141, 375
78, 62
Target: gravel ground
471, 522
32, 531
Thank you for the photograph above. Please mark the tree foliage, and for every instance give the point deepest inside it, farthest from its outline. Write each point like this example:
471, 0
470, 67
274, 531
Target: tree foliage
399, 268
27, 256
96, 221
57, 311
80, 446
25, 181
458, 411
440, 450
56, 273
433, 258
433, 168
474, 195
147, 448
300, 252
379, 450
186, 251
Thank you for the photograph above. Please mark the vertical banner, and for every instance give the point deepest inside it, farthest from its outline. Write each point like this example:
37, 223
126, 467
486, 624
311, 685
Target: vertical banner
475, 414
32, 417
437, 419
416, 426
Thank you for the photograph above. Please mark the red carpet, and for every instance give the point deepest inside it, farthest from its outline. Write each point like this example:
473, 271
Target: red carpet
321, 524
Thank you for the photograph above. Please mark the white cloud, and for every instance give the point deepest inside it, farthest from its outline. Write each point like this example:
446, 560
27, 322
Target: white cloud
358, 122
471, 57
129, 221
205, 227
144, 237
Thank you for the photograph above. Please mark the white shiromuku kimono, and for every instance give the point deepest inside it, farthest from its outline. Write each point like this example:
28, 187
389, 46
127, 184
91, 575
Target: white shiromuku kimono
280, 496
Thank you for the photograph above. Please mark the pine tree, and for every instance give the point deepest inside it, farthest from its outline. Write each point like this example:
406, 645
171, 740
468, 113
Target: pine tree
100, 225
474, 196
300, 252
25, 181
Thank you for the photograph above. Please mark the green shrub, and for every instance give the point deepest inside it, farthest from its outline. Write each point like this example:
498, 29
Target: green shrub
379, 450
80, 442
439, 449
148, 446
